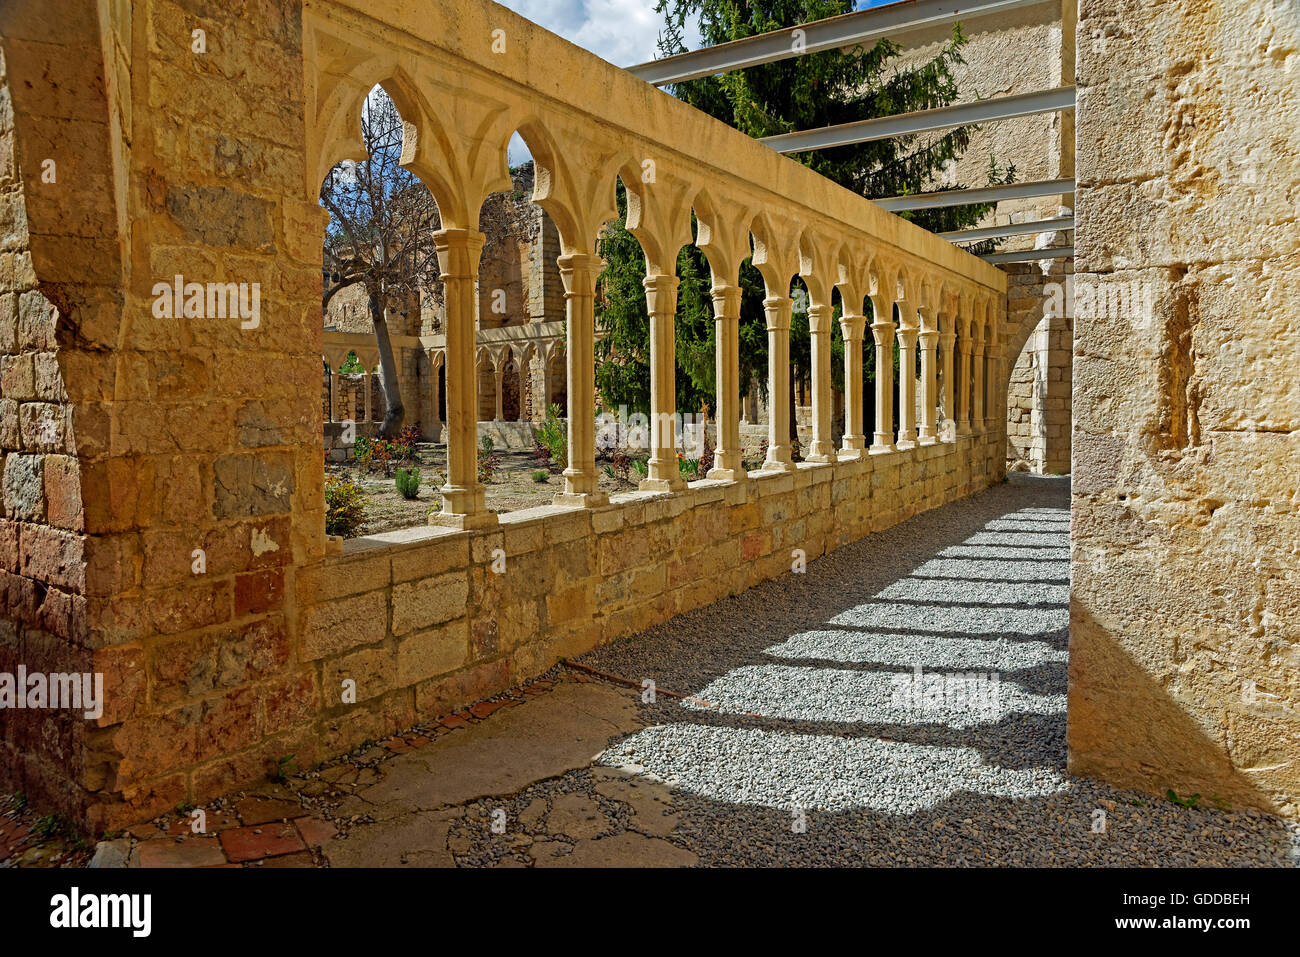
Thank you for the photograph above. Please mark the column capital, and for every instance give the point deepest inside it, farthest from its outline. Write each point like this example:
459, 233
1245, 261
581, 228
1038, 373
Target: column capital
819, 319
777, 310
726, 302
852, 327
928, 337
579, 271
882, 332
458, 252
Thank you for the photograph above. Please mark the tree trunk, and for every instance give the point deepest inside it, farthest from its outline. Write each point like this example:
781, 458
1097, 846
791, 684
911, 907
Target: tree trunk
394, 411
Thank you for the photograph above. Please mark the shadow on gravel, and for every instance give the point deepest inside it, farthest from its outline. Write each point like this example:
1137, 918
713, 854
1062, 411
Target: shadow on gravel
816, 710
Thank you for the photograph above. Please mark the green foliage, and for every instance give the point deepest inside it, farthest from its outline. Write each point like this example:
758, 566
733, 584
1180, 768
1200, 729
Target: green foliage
1192, 801
345, 506
641, 467
489, 460
689, 468
408, 482
540, 476
378, 455
351, 364
48, 825
281, 769
552, 439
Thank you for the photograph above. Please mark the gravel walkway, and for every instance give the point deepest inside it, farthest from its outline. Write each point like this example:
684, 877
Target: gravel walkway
905, 701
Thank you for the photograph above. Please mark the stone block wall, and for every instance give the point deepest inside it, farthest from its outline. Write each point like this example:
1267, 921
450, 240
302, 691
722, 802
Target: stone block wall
1040, 313
1185, 607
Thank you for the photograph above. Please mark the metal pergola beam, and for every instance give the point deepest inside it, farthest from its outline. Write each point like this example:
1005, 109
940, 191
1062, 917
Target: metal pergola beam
924, 121
1030, 255
849, 29
1012, 229
983, 194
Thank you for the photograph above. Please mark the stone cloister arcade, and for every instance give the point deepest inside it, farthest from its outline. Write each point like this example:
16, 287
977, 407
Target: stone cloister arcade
157, 454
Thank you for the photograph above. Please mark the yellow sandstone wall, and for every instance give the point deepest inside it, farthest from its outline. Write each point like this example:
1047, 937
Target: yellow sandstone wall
1185, 611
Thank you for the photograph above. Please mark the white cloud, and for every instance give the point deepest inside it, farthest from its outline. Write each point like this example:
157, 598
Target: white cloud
624, 32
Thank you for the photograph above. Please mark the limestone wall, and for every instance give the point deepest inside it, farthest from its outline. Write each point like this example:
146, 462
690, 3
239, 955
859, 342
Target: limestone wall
1185, 608
1040, 314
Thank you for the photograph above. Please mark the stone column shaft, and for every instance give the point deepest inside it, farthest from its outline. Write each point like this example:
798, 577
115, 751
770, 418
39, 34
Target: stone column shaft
777, 310
963, 387
882, 331
661, 302
854, 441
579, 272
977, 411
819, 326
949, 426
906, 380
463, 497
726, 317
930, 386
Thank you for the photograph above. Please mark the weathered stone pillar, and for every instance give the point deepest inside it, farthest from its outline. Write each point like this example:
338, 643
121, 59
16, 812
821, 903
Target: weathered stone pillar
964, 380
907, 333
948, 428
777, 310
544, 356
930, 386
854, 441
498, 377
463, 503
819, 326
334, 396
366, 387
578, 272
977, 391
435, 414
726, 317
882, 332
661, 302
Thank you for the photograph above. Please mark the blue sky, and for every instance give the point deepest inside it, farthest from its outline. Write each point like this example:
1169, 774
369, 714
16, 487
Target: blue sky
624, 32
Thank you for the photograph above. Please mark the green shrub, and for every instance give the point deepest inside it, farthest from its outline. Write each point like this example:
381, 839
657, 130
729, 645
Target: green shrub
540, 476
552, 438
408, 482
345, 506
641, 467
489, 460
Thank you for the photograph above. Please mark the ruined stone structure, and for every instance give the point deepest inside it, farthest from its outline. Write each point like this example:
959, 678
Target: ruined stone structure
163, 509
520, 341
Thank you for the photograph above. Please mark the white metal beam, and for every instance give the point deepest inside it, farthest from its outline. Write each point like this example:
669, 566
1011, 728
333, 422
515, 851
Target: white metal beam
982, 194
849, 29
1011, 229
1030, 255
924, 121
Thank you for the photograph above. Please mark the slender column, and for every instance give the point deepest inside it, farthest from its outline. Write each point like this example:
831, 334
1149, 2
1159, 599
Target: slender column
661, 303
579, 272
882, 332
854, 441
930, 386
726, 318
777, 310
992, 366
523, 389
463, 504
819, 325
948, 428
907, 333
548, 383
334, 397
367, 384
498, 376
977, 358
964, 384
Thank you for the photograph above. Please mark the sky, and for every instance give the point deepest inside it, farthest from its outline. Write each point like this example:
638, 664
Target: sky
624, 32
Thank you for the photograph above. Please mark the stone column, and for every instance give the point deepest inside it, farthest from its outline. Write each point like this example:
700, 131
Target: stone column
977, 360
948, 428
544, 356
822, 448
498, 377
661, 303
726, 317
366, 386
854, 441
435, 414
964, 385
777, 309
578, 272
523, 390
334, 397
463, 503
907, 333
882, 332
930, 387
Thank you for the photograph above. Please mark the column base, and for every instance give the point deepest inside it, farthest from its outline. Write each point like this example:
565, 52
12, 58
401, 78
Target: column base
927, 440
777, 465
851, 455
964, 431
727, 475
662, 485
821, 450
902, 445
884, 449
462, 521
580, 499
